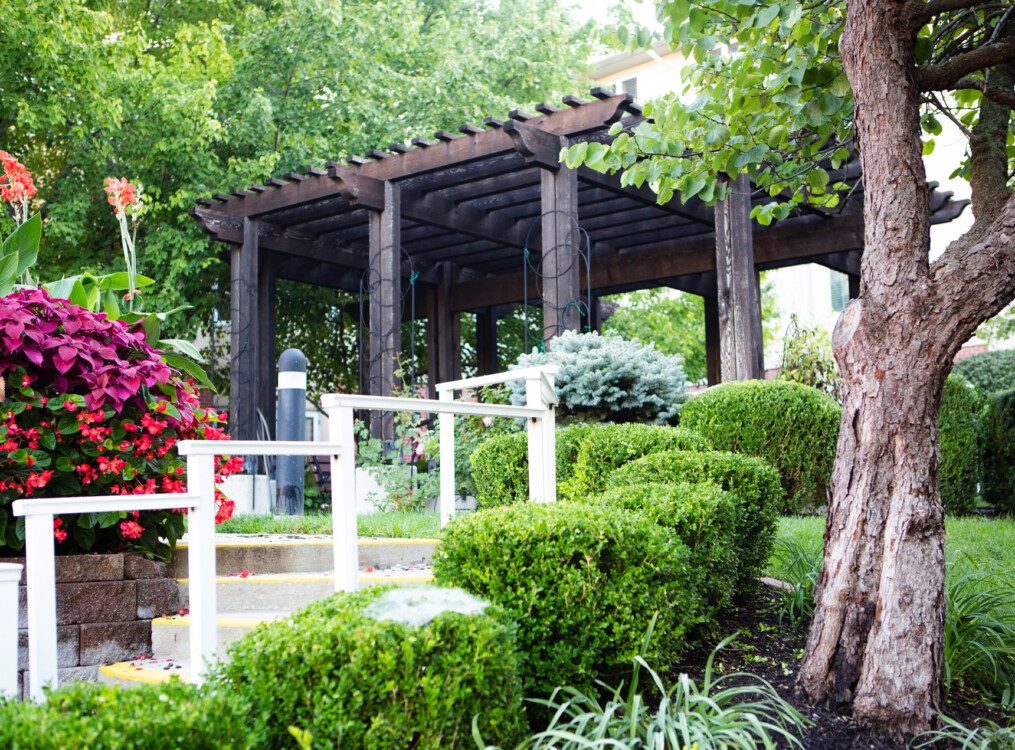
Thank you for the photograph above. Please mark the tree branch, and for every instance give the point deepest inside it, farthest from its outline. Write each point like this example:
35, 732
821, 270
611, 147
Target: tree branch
1004, 97
946, 74
923, 12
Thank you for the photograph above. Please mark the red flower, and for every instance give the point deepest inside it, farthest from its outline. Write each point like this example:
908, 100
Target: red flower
59, 533
131, 530
16, 186
121, 194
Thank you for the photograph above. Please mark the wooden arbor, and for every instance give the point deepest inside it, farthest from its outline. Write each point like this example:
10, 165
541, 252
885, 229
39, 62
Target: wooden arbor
464, 207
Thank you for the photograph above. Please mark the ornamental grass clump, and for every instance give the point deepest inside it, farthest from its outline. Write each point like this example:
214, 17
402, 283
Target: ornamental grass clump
91, 409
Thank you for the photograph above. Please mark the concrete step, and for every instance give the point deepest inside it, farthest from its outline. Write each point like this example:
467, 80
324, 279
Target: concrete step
301, 554
171, 635
287, 592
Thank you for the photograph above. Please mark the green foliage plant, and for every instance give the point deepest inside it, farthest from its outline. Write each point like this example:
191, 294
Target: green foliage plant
704, 517
807, 359
998, 451
605, 448
359, 672
582, 581
792, 426
799, 566
989, 735
608, 379
958, 433
169, 716
733, 710
989, 372
752, 481
500, 465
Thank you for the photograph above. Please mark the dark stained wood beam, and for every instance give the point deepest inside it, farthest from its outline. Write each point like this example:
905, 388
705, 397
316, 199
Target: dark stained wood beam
384, 287
244, 365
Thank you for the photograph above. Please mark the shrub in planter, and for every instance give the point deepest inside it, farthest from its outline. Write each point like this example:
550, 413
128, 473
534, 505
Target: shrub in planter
608, 379
999, 451
705, 519
751, 480
500, 465
91, 409
171, 716
989, 372
957, 436
605, 448
793, 426
382, 668
582, 581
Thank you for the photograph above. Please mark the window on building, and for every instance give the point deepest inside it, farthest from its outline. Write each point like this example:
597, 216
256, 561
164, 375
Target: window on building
840, 289
628, 86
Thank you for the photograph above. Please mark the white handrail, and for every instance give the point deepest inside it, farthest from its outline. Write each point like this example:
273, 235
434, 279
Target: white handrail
256, 448
428, 406
522, 373
10, 579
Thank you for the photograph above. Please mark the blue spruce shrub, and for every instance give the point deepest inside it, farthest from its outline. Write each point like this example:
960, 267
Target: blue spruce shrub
608, 379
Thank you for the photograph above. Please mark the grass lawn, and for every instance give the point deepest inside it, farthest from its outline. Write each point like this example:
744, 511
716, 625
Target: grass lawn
391, 524
983, 544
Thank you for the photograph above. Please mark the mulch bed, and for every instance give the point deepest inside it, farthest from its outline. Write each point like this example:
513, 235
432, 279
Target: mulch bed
773, 651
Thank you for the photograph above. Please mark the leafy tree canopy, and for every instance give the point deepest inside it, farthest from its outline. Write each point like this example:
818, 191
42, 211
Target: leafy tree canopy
190, 97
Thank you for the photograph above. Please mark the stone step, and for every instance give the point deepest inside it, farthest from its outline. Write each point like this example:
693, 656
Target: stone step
287, 592
144, 672
171, 635
301, 554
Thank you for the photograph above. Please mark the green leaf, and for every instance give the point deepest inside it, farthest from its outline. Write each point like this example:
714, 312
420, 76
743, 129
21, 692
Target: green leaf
188, 367
152, 328
23, 242
8, 273
817, 179
120, 281
111, 304
182, 346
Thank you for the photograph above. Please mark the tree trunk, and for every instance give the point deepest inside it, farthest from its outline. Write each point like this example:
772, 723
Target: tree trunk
875, 645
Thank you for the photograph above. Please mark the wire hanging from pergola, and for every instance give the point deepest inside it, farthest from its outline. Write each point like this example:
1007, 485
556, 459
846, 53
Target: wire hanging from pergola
369, 283
577, 249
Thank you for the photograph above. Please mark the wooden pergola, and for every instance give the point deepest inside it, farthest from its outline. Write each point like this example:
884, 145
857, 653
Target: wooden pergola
457, 215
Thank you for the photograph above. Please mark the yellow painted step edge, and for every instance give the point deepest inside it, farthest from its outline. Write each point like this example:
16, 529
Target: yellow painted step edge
392, 542
246, 623
132, 673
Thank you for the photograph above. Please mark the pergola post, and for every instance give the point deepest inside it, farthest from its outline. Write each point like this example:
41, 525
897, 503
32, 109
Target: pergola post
444, 333
385, 302
486, 342
267, 284
560, 240
739, 300
712, 348
244, 366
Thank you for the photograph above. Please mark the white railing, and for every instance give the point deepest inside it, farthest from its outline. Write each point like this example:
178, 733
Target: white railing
39, 513
539, 410
10, 579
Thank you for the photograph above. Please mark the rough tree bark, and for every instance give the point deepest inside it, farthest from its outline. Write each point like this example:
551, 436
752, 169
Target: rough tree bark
875, 644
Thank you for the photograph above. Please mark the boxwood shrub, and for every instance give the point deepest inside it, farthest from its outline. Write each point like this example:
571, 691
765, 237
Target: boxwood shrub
999, 451
500, 465
705, 519
989, 372
793, 426
608, 447
171, 716
753, 481
582, 581
957, 434
353, 678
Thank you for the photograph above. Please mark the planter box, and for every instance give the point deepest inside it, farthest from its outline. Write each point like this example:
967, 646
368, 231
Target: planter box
104, 609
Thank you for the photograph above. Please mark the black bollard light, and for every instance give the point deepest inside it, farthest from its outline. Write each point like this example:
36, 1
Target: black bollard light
292, 420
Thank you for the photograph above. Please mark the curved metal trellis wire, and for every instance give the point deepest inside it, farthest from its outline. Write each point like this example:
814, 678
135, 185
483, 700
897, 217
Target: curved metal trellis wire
370, 282
577, 249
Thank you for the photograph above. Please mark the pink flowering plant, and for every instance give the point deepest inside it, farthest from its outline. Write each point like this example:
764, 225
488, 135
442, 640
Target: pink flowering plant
92, 409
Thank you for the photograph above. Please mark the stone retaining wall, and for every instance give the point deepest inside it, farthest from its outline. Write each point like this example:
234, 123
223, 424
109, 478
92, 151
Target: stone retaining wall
104, 609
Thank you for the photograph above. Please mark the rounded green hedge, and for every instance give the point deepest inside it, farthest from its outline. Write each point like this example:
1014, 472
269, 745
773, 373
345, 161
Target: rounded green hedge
753, 481
705, 519
171, 716
999, 450
957, 436
989, 372
582, 581
605, 448
500, 465
353, 672
792, 426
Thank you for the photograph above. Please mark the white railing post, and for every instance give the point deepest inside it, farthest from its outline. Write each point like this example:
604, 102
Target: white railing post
343, 499
548, 426
41, 579
446, 434
10, 578
536, 439
201, 563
